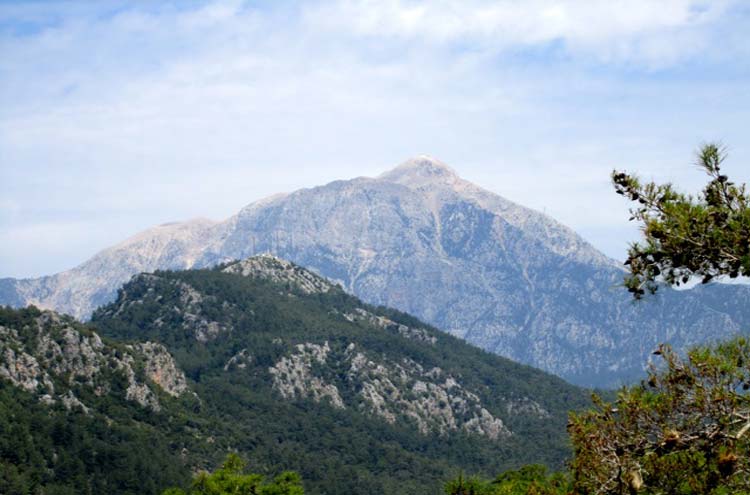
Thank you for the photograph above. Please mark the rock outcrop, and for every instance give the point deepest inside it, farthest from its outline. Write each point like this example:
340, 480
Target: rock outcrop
269, 267
53, 357
433, 400
293, 376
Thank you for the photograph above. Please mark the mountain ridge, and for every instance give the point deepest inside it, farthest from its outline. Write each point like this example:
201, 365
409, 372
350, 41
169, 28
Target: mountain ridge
318, 381
421, 239
267, 359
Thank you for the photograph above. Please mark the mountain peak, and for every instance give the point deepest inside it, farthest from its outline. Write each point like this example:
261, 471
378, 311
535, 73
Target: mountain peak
270, 267
420, 170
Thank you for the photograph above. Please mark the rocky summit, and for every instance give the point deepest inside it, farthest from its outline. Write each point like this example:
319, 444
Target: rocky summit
421, 239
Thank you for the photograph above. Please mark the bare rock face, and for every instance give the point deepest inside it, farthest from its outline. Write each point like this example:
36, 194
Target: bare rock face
293, 376
22, 369
161, 368
53, 357
269, 267
421, 239
239, 360
527, 406
418, 334
431, 399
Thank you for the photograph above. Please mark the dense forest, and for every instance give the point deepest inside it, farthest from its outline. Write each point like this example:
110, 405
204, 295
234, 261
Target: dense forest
255, 324
110, 447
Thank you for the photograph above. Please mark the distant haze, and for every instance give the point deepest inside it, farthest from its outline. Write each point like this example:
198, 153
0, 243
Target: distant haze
115, 116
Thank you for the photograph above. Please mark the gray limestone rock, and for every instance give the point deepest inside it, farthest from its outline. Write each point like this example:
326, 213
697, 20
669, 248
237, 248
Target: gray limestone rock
52, 357
389, 390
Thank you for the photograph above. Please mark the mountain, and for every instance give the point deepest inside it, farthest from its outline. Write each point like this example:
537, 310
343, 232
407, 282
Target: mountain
270, 360
79, 414
421, 239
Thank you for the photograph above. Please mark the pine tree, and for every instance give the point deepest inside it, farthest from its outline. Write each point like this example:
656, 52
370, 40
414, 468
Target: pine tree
684, 236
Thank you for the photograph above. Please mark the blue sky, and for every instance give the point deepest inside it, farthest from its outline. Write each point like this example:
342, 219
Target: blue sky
115, 116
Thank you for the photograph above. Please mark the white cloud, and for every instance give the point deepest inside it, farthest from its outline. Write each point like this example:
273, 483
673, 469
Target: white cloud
641, 31
142, 117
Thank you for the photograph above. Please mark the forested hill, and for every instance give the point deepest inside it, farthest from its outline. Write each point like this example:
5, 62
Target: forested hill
267, 359
294, 373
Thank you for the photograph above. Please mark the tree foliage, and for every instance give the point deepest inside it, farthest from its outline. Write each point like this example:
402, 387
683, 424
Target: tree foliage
684, 430
686, 236
528, 480
231, 479
49, 450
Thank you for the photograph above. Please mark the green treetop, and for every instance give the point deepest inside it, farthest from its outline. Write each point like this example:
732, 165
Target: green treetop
686, 429
686, 236
231, 479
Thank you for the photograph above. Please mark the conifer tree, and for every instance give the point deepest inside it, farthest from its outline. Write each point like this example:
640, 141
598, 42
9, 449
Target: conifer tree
686, 429
231, 479
685, 236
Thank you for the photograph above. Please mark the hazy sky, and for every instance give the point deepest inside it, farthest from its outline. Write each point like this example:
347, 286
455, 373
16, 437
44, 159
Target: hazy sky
115, 116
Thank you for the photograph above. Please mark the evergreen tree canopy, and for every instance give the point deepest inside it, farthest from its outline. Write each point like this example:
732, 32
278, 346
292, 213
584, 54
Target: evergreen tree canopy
231, 479
686, 236
683, 431
531, 479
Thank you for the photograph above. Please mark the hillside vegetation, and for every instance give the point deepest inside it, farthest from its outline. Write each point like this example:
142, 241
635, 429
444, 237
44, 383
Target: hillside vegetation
291, 372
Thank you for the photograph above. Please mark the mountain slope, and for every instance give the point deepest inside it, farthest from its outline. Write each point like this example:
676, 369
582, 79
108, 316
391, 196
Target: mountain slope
421, 239
296, 374
268, 359
79, 290
82, 415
